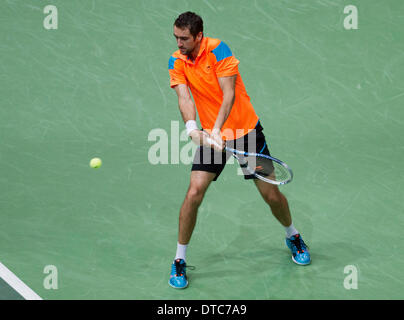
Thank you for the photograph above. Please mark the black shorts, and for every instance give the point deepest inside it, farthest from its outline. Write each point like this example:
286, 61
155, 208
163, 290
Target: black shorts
209, 160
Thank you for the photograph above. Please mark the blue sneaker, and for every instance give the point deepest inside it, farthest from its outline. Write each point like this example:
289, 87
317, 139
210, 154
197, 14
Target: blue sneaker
300, 253
178, 276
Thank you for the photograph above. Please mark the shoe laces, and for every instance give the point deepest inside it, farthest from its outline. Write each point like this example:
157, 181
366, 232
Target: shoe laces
299, 244
180, 268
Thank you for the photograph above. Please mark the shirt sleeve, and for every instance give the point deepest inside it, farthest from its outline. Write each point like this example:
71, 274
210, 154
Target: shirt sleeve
226, 63
176, 71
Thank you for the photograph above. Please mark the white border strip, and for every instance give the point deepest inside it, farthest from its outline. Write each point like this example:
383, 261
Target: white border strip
19, 286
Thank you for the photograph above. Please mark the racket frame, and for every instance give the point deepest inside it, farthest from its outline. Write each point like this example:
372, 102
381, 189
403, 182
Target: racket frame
236, 152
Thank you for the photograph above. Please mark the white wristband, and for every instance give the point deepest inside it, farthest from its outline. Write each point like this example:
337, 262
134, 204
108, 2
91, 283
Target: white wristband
191, 126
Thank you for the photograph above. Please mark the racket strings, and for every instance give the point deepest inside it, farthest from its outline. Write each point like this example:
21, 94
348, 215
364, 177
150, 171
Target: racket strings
264, 168
269, 169
281, 172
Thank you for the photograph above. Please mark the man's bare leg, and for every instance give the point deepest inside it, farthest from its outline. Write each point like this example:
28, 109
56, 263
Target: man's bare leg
276, 200
199, 183
280, 209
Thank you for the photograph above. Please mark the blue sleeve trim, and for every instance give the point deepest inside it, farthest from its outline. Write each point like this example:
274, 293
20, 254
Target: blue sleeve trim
171, 62
222, 51
263, 147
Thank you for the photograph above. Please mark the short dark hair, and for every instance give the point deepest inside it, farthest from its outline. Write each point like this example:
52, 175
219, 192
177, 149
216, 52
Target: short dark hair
191, 21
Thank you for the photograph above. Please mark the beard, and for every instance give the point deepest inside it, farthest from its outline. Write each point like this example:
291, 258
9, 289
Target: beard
186, 52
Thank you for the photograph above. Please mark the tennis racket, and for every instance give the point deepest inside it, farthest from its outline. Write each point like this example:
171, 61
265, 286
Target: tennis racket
262, 166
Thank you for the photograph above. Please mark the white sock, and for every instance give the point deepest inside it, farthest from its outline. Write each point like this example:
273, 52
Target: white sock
291, 231
181, 251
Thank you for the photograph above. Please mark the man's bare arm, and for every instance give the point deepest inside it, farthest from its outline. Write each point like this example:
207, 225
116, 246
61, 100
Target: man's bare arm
228, 86
185, 103
188, 112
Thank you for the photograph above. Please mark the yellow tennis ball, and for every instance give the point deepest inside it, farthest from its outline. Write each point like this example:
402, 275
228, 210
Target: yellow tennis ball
95, 163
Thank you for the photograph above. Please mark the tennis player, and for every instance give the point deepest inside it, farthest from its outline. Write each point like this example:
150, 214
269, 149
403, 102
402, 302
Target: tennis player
207, 68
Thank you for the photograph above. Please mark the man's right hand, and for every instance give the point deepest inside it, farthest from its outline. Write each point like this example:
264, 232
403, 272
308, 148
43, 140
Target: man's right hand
202, 138
218, 143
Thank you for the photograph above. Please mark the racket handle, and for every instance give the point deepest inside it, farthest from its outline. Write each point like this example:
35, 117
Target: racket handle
211, 141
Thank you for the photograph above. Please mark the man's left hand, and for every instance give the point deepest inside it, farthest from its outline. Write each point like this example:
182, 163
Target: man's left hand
220, 144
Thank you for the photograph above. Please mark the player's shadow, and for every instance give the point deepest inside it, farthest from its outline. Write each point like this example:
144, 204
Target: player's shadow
242, 254
270, 257
269, 253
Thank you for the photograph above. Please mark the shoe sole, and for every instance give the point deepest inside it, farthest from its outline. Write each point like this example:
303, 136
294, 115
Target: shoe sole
177, 287
299, 263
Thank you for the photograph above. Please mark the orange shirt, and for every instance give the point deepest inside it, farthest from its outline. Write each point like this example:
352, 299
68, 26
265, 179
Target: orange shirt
214, 60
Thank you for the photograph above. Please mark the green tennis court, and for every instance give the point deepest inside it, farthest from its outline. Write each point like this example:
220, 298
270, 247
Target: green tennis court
330, 101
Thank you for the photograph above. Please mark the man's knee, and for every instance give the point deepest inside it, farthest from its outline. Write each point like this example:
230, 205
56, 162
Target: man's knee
195, 194
274, 199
